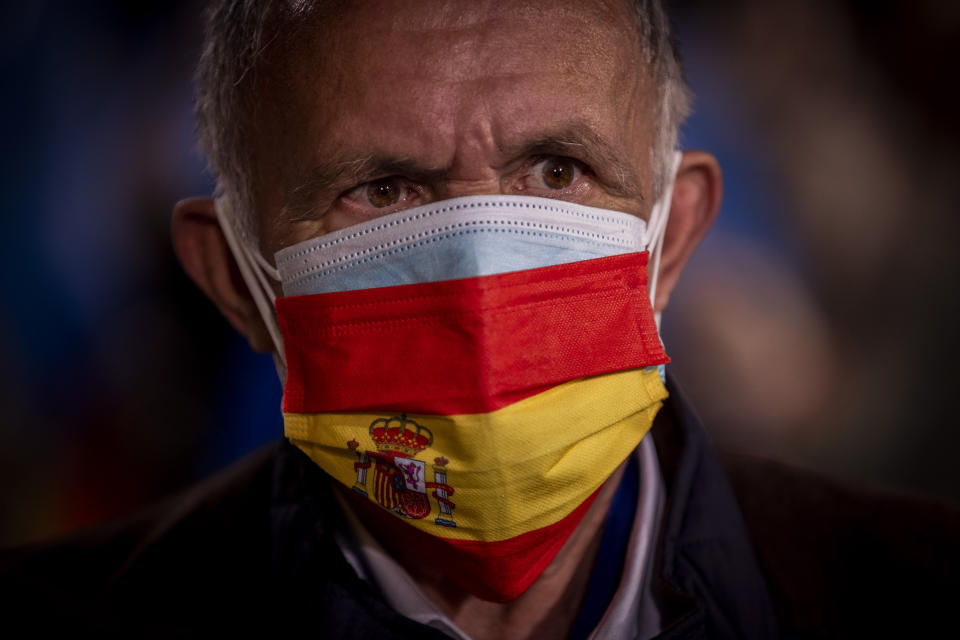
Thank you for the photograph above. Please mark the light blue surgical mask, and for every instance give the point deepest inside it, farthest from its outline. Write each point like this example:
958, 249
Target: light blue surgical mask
458, 238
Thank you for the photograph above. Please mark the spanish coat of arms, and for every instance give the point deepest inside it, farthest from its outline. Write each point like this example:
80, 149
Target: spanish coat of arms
400, 479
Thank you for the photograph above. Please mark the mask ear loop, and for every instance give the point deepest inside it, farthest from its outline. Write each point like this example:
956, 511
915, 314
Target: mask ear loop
255, 269
659, 216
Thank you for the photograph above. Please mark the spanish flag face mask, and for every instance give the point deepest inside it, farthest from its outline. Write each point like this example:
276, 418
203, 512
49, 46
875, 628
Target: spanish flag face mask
473, 370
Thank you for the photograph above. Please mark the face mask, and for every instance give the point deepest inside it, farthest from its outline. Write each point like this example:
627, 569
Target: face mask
501, 367
460, 238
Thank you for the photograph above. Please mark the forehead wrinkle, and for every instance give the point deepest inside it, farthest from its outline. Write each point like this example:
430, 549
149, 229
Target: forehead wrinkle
456, 42
449, 15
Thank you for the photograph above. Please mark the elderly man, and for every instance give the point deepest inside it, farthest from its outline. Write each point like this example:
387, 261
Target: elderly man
326, 125
455, 226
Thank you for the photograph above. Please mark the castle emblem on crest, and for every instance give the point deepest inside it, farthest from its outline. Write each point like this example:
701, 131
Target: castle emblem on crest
400, 479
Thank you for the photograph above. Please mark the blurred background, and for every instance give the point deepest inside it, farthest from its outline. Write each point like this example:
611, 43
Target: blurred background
817, 325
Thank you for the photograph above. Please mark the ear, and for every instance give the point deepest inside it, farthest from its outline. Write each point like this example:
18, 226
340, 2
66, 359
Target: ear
205, 255
697, 193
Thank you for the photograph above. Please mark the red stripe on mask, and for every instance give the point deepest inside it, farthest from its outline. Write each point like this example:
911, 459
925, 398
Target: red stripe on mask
498, 571
467, 346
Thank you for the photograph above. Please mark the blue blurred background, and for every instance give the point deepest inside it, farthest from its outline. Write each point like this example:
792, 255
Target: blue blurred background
817, 325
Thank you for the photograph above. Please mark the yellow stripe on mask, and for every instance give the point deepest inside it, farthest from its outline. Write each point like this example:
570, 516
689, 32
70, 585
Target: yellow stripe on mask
523, 467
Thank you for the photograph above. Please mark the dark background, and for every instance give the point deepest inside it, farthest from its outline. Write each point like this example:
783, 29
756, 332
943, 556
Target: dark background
818, 325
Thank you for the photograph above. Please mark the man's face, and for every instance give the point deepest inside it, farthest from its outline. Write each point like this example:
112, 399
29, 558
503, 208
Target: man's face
396, 104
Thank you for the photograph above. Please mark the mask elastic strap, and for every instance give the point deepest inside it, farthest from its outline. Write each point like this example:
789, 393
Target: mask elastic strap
255, 269
659, 216
266, 270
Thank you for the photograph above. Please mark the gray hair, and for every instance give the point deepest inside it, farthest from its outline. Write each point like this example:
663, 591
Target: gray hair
237, 33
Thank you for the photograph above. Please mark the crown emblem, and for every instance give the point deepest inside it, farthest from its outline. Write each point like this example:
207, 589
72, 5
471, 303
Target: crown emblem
401, 435
400, 482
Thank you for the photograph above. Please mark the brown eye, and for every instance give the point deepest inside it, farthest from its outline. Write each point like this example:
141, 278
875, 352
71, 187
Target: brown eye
558, 173
383, 193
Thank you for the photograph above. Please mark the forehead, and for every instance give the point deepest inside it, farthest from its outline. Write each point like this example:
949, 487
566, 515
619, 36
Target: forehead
378, 53
447, 81
456, 40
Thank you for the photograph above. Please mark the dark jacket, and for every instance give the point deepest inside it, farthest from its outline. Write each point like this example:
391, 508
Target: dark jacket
251, 550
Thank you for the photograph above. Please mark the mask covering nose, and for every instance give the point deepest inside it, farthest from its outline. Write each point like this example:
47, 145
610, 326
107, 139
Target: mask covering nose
474, 369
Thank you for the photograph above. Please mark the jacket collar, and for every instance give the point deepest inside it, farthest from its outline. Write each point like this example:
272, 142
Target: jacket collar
709, 577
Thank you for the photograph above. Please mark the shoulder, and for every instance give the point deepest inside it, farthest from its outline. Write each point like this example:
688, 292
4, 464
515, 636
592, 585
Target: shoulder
212, 538
846, 559
243, 552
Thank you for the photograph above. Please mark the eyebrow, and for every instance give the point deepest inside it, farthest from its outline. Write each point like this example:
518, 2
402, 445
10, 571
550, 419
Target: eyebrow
576, 140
